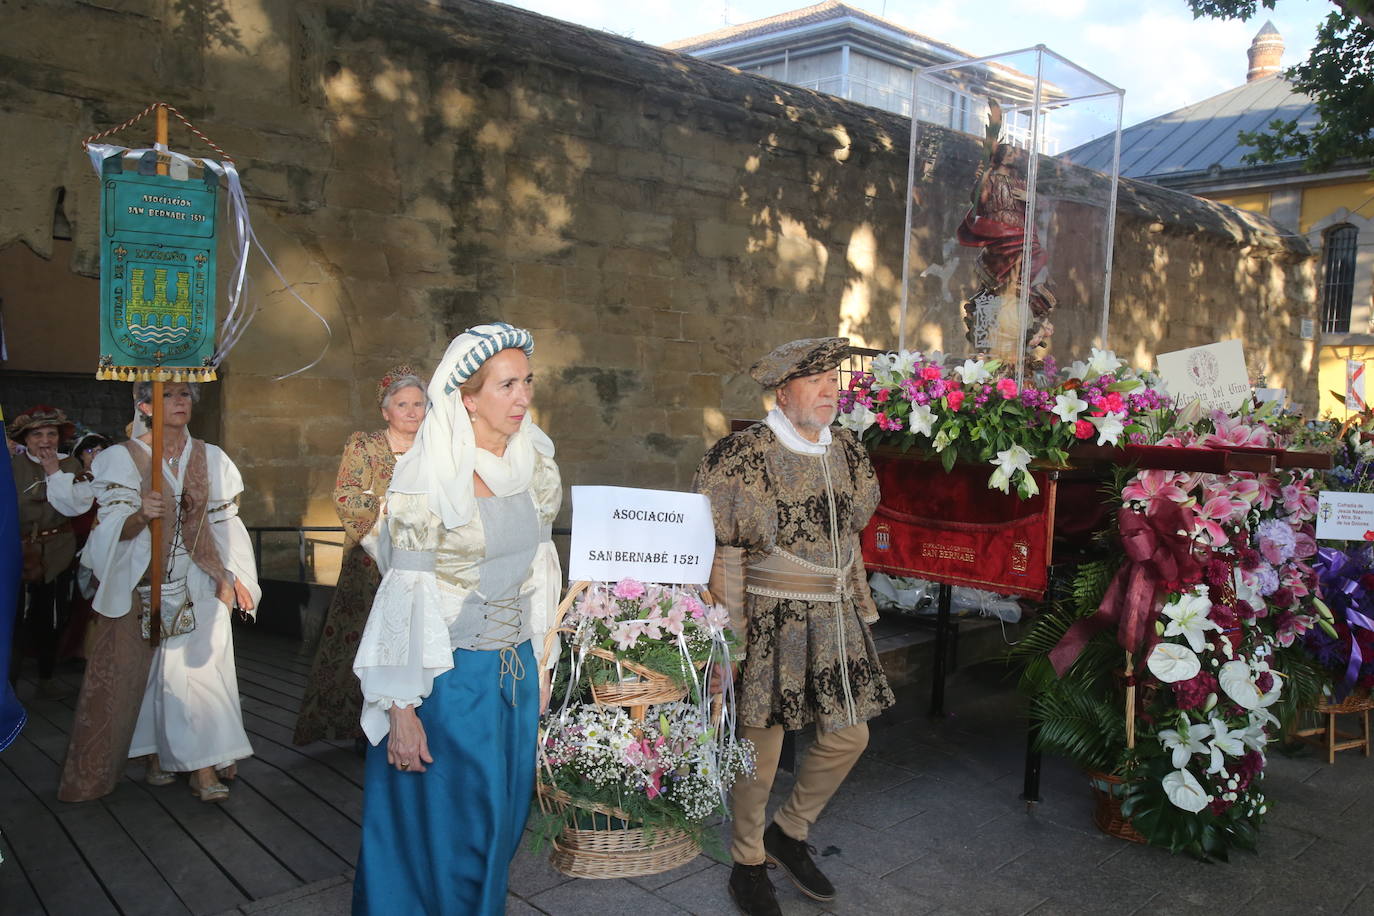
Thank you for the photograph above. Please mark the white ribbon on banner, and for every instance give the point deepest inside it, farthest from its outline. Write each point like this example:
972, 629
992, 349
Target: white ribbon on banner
237, 317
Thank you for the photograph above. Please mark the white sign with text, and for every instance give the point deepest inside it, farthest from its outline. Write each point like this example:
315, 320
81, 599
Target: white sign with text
1213, 374
1345, 516
657, 536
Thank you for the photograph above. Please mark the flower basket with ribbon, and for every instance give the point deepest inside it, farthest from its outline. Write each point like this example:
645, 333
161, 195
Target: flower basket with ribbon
635, 754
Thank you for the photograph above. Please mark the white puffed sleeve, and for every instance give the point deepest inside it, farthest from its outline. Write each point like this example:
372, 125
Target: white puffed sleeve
68, 495
231, 536
116, 565
405, 644
545, 581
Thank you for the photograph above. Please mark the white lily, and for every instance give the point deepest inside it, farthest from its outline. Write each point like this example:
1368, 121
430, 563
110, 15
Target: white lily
1188, 618
922, 419
905, 364
1172, 663
1079, 370
1185, 791
1008, 462
1245, 590
1109, 427
1186, 740
883, 368
1068, 406
1104, 362
1254, 736
858, 419
973, 372
1224, 741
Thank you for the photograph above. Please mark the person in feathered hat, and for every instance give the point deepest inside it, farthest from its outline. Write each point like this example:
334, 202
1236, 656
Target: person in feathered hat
789, 497
47, 536
451, 691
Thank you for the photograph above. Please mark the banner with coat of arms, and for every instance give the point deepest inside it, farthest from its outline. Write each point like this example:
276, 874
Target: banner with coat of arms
157, 269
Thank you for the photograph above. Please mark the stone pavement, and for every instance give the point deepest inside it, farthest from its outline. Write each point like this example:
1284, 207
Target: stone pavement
930, 823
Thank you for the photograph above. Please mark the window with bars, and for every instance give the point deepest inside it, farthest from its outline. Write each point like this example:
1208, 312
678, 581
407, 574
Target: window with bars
1338, 278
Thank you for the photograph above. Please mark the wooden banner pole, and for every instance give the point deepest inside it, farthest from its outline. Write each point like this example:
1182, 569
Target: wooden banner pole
155, 571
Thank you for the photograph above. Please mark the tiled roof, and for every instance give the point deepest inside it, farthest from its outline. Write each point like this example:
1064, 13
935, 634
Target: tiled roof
1200, 136
821, 12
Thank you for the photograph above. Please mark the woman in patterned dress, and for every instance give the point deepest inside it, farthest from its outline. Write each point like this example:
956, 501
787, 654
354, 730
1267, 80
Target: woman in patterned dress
333, 702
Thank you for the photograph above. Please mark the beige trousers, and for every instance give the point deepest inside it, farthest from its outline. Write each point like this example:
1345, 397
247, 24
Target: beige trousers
824, 768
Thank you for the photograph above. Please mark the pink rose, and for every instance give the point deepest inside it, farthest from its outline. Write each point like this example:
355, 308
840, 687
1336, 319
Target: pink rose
930, 373
1084, 430
1006, 388
955, 399
628, 589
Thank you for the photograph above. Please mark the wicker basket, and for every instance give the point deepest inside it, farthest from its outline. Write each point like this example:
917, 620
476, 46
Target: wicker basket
1107, 792
1357, 700
646, 689
613, 846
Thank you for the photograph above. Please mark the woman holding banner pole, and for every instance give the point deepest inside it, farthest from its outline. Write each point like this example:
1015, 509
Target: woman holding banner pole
176, 704
451, 691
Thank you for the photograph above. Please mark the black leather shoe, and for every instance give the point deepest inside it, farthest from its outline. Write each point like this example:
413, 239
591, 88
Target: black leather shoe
752, 891
794, 858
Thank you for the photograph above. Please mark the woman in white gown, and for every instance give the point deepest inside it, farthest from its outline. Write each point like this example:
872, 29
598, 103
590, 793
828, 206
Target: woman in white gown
178, 704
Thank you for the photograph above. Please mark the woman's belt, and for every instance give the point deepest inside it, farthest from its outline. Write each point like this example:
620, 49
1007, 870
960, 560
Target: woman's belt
47, 533
784, 575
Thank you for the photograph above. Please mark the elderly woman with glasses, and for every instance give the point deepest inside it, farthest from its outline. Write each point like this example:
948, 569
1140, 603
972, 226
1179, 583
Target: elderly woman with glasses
177, 703
451, 691
333, 702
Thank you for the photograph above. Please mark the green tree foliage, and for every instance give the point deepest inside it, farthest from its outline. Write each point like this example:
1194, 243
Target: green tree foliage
1338, 76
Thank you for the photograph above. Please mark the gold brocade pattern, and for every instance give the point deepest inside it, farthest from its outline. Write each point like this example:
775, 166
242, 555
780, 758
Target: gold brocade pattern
763, 496
333, 701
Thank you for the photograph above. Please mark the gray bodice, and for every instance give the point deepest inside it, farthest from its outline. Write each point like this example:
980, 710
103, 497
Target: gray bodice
496, 615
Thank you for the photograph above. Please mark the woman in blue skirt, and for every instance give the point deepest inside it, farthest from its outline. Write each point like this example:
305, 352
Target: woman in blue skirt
451, 689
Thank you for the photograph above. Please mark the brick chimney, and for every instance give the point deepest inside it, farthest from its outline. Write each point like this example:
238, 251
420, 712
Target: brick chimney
1266, 51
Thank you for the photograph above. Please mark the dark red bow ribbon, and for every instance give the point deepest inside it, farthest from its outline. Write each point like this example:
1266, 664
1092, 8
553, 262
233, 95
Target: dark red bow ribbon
1159, 558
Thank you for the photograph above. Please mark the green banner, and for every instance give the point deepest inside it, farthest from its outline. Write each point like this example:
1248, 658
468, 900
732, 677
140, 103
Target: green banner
157, 272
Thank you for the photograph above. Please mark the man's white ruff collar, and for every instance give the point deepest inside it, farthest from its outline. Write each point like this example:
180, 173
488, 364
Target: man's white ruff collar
787, 434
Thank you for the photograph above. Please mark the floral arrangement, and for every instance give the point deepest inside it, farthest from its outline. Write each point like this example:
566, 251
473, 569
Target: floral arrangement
664, 628
976, 413
1229, 599
669, 768
671, 764
1344, 647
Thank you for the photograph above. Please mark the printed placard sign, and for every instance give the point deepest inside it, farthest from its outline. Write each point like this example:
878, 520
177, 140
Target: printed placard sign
1345, 516
657, 536
157, 272
1213, 374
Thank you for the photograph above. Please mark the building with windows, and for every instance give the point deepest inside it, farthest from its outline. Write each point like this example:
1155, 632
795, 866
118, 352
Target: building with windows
851, 53
1195, 149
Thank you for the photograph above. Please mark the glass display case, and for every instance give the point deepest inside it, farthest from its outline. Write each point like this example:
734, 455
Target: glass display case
1011, 209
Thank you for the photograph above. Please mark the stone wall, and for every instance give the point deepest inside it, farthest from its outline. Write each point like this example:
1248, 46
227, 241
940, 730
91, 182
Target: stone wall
658, 221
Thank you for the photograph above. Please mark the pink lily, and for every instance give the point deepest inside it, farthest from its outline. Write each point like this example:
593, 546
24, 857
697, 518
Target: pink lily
1224, 493
1269, 491
1152, 485
1231, 431
1208, 519
1299, 500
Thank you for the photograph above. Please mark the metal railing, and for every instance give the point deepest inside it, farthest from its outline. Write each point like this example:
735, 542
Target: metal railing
305, 546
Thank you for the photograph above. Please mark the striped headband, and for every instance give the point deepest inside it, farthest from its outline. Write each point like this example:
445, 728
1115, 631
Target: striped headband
485, 341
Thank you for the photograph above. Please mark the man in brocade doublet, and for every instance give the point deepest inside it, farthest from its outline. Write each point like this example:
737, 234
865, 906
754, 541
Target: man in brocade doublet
789, 497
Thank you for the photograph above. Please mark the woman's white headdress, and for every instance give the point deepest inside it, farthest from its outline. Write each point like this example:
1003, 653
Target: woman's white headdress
445, 454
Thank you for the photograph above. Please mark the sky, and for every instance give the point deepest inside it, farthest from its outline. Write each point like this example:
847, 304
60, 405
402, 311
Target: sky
1153, 49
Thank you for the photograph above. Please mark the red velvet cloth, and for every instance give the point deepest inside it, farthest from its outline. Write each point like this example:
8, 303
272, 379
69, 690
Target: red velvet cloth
950, 528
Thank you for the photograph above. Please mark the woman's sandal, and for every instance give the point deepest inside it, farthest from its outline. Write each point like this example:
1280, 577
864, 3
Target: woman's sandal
229, 773
214, 792
155, 775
